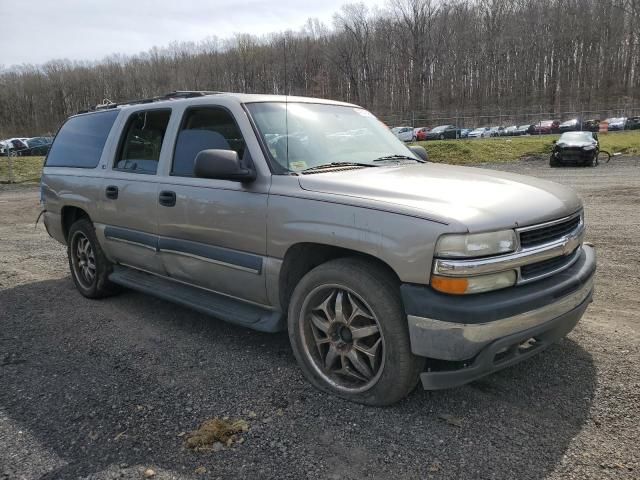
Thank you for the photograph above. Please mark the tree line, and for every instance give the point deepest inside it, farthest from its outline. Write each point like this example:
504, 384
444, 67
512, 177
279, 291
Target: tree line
431, 56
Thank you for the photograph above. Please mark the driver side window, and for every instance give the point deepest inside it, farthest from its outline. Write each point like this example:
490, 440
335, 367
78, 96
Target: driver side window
204, 129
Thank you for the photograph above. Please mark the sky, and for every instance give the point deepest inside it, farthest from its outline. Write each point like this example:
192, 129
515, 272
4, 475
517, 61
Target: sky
93, 29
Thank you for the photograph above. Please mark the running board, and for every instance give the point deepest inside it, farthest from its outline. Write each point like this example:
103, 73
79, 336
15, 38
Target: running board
210, 303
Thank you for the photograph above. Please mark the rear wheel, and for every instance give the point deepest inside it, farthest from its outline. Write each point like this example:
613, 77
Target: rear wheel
89, 266
349, 333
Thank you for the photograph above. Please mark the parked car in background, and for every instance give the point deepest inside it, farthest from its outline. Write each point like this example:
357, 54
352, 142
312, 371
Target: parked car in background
464, 132
403, 133
576, 148
570, 125
633, 123
591, 125
511, 131
38, 146
14, 146
443, 131
481, 132
495, 131
617, 123
523, 130
545, 127
420, 134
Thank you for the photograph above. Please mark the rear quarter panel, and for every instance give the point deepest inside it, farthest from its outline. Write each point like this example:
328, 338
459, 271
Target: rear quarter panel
68, 187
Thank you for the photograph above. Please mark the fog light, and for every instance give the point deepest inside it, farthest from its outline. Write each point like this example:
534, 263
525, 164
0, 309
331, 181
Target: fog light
481, 283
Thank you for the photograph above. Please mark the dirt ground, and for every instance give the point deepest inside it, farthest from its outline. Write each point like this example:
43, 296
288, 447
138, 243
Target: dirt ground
106, 389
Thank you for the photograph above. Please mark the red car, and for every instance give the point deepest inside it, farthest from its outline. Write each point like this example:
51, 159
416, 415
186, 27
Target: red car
421, 133
545, 126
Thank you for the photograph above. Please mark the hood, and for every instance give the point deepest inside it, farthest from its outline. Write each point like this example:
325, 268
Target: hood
470, 198
576, 143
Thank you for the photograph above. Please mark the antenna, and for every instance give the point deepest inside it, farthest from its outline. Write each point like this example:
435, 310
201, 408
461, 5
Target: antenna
286, 100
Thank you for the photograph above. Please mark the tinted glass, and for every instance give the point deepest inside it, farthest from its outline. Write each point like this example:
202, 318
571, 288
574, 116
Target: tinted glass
141, 142
80, 141
205, 129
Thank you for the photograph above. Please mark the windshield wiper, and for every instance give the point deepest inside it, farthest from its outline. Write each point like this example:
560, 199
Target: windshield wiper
397, 157
337, 164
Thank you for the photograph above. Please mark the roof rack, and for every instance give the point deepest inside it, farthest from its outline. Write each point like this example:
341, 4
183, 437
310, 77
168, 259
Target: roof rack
175, 95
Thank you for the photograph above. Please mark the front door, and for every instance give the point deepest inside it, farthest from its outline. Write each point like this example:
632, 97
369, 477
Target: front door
213, 234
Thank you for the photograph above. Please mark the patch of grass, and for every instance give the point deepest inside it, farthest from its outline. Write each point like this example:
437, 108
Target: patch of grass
25, 169
508, 149
223, 432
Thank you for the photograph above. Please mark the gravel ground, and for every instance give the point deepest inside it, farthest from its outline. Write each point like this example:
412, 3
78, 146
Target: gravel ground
106, 389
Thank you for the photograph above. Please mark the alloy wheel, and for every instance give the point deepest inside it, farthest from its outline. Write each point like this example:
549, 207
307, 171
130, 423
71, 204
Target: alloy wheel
342, 338
84, 261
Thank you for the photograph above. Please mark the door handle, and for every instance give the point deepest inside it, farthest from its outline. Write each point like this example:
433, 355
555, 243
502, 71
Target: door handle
111, 192
167, 198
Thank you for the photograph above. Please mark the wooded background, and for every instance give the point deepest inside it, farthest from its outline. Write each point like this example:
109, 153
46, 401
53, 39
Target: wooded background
430, 58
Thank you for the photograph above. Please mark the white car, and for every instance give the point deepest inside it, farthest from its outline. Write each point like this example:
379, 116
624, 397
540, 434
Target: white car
617, 123
12, 144
481, 132
404, 134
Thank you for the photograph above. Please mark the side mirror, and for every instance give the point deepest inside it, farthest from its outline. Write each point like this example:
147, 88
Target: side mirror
420, 152
221, 165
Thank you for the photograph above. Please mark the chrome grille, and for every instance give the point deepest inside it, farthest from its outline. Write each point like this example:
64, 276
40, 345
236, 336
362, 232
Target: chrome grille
546, 267
549, 233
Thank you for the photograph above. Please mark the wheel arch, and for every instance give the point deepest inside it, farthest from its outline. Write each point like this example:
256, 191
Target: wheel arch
69, 215
300, 258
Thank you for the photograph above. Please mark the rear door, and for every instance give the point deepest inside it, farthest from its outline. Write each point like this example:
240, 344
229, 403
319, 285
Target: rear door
213, 233
129, 199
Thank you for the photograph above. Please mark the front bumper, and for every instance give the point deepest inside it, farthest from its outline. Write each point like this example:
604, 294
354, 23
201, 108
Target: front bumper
479, 334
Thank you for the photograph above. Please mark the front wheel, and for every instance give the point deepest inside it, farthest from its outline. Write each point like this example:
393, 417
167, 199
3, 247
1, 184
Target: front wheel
349, 333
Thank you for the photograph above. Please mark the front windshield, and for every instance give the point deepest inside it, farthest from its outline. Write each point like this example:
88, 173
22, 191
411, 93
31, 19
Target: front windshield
305, 135
576, 137
441, 128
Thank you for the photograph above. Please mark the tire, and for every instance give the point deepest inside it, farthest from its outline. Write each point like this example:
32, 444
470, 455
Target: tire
553, 161
84, 252
388, 371
441, 137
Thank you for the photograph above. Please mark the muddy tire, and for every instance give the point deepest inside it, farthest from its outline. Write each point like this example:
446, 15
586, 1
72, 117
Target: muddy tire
348, 331
89, 266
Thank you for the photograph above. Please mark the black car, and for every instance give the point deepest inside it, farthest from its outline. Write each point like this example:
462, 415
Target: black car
443, 131
572, 125
592, 125
38, 146
633, 123
576, 148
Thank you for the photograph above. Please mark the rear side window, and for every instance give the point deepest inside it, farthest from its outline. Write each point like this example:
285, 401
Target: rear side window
141, 143
80, 141
204, 129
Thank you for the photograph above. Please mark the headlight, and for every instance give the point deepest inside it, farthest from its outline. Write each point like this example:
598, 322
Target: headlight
479, 284
589, 147
476, 244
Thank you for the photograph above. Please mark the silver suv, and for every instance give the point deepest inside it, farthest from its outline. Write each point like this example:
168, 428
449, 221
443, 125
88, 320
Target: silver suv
309, 215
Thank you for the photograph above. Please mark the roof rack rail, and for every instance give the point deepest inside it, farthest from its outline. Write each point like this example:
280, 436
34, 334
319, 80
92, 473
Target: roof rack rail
175, 95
